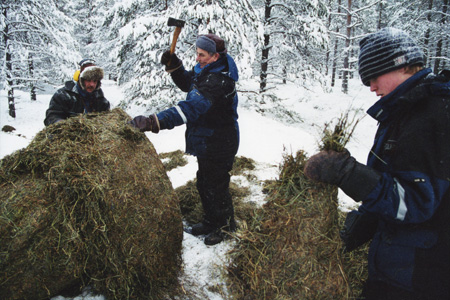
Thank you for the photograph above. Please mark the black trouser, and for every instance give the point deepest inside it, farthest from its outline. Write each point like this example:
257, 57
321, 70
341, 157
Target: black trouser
213, 182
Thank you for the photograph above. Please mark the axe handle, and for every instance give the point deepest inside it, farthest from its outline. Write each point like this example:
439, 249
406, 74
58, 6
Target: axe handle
176, 33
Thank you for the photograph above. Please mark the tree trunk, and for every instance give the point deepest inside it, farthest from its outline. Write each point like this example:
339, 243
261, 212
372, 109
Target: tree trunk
335, 55
327, 58
265, 49
8, 64
439, 43
9, 83
33, 83
426, 40
347, 52
380, 14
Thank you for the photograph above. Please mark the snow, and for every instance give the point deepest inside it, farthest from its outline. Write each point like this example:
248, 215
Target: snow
263, 138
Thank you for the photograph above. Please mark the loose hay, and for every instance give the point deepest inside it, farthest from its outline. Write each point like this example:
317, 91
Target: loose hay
191, 206
172, 160
88, 203
289, 251
290, 248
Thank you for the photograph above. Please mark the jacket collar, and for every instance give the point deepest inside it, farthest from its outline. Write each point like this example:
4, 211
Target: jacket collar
225, 64
391, 103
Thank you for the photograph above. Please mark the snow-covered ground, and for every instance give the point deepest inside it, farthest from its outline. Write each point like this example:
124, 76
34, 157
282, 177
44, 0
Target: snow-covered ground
263, 138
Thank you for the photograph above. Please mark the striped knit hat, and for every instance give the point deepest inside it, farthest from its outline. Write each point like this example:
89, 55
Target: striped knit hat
387, 50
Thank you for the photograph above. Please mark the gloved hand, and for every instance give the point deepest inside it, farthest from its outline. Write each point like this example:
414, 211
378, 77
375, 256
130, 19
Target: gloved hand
327, 166
341, 169
171, 61
144, 123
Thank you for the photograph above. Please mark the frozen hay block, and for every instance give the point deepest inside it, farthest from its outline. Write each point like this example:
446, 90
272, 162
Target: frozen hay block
88, 203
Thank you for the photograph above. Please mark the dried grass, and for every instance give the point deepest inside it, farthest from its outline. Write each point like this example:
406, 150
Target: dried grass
290, 248
172, 160
88, 203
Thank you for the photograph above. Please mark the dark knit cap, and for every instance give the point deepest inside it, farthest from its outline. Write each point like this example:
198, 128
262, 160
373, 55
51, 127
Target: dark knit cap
211, 43
86, 61
387, 50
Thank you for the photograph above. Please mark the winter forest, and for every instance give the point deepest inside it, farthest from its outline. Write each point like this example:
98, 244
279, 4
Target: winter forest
273, 42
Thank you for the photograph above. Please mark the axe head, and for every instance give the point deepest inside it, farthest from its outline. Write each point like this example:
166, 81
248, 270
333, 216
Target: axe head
175, 22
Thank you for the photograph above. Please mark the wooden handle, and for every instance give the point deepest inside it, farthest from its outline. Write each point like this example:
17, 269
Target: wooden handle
174, 40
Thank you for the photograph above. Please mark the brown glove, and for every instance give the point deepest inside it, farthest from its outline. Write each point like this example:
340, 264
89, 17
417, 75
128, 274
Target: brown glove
144, 123
341, 169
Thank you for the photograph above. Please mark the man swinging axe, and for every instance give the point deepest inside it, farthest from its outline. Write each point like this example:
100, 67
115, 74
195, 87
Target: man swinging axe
212, 133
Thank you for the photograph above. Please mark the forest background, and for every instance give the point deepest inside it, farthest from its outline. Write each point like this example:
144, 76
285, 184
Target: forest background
272, 41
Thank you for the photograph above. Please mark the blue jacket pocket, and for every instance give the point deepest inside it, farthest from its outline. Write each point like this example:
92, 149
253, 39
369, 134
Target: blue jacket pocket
394, 257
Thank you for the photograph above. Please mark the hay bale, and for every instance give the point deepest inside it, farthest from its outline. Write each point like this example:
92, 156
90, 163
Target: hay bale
88, 203
291, 247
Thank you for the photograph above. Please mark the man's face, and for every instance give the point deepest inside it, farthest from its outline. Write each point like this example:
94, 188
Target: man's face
90, 85
203, 57
386, 83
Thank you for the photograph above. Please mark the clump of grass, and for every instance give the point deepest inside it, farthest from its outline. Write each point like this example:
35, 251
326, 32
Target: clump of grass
172, 160
241, 164
337, 137
286, 250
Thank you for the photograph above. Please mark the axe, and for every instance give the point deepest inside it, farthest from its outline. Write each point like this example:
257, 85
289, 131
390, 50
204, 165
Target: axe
178, 25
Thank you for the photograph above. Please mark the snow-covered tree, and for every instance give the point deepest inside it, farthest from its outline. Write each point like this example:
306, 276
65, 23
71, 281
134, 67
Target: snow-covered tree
146, 36
428, 22
37, 45
295, 39
350, 20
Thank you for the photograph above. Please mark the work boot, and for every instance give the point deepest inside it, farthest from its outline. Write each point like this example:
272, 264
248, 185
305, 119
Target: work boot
214, 237
201, 228
219, 234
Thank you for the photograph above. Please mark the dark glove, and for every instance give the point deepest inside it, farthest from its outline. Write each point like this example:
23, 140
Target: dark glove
341, 169
171, 61
146, 124
359, 228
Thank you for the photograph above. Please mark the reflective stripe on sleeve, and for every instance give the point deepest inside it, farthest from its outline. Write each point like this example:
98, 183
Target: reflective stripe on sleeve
402, 209
182, 115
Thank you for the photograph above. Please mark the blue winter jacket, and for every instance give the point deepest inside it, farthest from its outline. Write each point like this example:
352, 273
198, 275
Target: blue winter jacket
411, 248
210, 109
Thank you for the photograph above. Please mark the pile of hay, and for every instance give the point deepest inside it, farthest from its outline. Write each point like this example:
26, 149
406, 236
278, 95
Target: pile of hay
190, 202
290, 248
88, 203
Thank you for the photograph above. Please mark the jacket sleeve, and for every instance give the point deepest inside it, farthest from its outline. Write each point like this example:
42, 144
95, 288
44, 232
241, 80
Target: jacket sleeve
186, 111
59, 108
182, 78
406, 197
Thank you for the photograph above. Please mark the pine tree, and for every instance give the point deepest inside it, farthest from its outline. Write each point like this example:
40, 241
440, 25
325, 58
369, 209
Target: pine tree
144, 36
295, 37
37, 45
